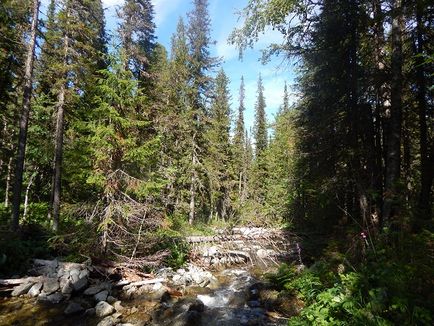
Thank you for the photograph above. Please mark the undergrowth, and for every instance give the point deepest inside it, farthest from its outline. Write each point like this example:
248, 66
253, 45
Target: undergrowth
392, 285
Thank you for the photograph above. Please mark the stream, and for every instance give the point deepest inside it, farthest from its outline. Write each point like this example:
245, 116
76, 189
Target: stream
233, 299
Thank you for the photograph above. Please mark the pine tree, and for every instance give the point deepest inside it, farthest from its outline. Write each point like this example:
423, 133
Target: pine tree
261, 135
239, 145
137, 35
77, 50
201, 64
218, 160
25, 112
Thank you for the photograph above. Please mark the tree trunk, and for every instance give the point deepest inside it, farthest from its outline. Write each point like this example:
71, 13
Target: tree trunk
426, 170
393, 154
26, 197
193, 190
24, 121
58, 148
8, 182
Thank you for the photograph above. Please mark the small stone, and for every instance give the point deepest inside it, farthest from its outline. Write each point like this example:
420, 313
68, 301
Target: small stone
101, 296
21, 289
80, 284
103, 309
73, 308
35, 290
133, 310
111, 299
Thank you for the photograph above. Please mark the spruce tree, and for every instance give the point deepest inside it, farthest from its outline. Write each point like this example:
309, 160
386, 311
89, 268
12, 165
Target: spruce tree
25, 113
137, 36
261, 134
218, 160
239, 146
201, 64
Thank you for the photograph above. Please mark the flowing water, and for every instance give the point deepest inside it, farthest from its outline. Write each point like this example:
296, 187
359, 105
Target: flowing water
232, 301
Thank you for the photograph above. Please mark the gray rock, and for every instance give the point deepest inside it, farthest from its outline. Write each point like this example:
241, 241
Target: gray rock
80, 284
94, 289
103, 309
73, 308
67, 288
74, 271
51, 285
101, 296
22, 289
84, 273
54, 298
108, 321
35, 290
111, 299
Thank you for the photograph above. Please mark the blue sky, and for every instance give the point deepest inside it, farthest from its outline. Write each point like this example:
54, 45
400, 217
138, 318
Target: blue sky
224, 19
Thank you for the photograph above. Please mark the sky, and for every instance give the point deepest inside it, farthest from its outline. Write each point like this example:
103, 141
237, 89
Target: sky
223, 19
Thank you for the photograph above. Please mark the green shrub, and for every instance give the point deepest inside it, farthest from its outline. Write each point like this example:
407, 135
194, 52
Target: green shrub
393, 286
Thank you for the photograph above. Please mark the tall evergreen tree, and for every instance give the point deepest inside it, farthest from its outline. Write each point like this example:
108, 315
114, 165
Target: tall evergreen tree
201, 64
137, 35
261, 134
25, 112
218, 160
77, 51
239, 143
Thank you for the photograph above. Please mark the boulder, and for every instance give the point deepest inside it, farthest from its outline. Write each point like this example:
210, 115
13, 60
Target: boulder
73, 308
21, 289
101, 296
51, 285
108, 321
103, 309
67, 288
80, 284
35, 290
54, 298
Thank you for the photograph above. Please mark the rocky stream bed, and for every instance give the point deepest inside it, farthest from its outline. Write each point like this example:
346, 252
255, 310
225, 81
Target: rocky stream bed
188, 296
231, 293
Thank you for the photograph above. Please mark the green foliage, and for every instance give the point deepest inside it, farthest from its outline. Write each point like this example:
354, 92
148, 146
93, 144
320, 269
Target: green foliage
172, 240
16, 251
386, 289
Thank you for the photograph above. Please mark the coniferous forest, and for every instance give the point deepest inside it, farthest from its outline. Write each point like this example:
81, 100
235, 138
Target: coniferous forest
116, 148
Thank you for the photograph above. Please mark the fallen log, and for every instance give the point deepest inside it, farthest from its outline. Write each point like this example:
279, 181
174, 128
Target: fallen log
18, 281
146, 282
